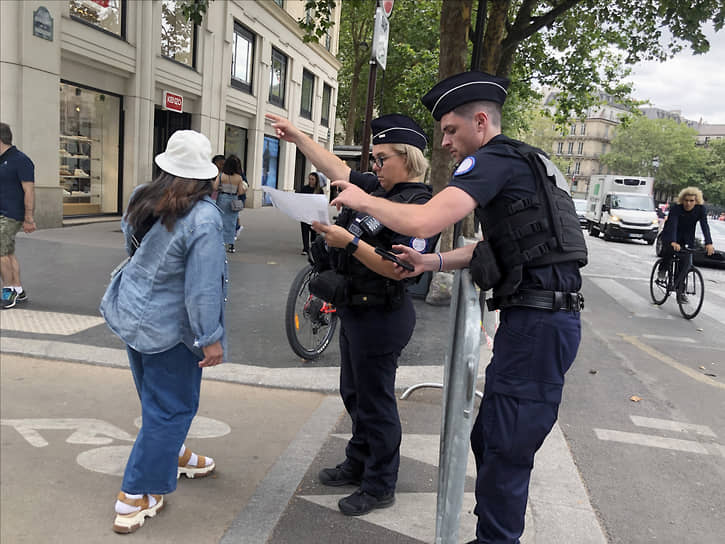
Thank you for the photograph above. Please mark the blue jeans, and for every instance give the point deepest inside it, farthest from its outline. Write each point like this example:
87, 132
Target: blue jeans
229, 216
168, 385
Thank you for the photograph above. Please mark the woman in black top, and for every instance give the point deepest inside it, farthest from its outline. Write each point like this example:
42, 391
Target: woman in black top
312, 187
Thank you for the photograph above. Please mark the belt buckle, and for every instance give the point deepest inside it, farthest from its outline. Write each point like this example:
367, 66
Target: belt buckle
579, 302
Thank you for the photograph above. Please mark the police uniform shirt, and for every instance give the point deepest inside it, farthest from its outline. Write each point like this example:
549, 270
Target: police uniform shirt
368, 182
486, 175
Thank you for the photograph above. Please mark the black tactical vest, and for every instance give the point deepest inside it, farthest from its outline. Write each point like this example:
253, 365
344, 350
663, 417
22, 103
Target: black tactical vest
536, 231
362, 280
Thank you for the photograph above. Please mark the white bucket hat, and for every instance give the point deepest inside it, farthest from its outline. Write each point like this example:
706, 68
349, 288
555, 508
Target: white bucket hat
187, 155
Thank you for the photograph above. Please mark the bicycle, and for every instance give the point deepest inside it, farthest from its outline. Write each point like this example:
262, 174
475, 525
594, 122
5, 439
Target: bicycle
310, 322
688, 284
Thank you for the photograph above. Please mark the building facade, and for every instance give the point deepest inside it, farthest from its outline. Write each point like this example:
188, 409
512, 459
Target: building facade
92, 90
585, 141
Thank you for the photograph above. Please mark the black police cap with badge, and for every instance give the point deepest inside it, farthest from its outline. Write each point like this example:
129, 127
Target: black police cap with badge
463, 88
398, 129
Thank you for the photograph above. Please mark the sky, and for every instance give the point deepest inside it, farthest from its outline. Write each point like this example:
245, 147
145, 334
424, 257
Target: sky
692, 84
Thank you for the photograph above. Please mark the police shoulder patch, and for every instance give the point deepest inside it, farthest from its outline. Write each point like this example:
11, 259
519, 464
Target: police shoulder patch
418, 244
466, 166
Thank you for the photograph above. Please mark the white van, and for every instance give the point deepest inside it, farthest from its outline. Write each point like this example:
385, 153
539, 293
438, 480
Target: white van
622, 207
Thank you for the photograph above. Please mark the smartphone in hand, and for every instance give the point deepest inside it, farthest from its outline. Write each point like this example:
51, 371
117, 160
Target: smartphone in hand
393, 257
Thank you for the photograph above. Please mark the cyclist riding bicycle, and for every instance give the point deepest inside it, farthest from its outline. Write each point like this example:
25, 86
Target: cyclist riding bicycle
679, 229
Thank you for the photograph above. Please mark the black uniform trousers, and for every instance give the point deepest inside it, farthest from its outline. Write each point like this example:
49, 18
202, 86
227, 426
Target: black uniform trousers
370, 343
532, 351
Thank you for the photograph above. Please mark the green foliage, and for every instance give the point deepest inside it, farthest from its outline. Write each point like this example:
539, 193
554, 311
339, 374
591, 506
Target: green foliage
713, 187
638, 143
193, 10
317, 21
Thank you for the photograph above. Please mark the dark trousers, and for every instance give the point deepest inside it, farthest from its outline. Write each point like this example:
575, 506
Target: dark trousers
370, 343
668, 252
308, 236
533, 349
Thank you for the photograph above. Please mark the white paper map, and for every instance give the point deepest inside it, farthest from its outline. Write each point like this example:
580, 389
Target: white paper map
300, 206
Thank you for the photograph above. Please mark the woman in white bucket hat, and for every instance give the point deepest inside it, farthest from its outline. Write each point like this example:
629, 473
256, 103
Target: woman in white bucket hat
167, 305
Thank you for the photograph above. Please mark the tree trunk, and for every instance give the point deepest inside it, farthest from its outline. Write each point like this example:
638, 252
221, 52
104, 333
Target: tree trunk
455, 24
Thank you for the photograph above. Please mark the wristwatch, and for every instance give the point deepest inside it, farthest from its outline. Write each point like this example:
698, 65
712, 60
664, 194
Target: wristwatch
351, 247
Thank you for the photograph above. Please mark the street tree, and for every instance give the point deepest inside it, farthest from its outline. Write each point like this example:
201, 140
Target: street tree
713, 187
661, 148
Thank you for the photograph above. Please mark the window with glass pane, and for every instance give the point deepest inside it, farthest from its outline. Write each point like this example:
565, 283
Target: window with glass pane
580, 148
278, 78
280, 3
308, 91
177, 33
570, 148
242, 58
105, 14
88, 150
326, 99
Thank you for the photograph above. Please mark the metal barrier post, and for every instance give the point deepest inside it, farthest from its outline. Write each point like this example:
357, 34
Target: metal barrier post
461, 371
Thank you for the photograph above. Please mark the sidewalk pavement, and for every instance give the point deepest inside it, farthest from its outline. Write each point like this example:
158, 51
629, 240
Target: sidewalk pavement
69, 416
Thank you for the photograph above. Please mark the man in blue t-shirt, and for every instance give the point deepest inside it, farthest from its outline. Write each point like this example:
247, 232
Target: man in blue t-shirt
17, 202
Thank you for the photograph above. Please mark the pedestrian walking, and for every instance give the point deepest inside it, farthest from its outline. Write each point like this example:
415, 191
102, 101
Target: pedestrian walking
17, 206
167, 305
231, 190
376, 312
531, 254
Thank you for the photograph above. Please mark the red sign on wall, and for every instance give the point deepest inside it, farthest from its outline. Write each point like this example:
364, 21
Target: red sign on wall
103, 3
173, 102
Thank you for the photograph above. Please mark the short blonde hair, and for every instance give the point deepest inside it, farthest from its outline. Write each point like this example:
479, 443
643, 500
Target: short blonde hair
690, 191
415, 162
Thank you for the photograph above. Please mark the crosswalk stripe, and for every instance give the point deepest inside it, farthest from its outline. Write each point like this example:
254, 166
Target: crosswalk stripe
632, 301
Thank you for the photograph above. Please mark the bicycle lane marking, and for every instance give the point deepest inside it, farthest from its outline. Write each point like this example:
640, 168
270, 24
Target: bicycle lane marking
687, 371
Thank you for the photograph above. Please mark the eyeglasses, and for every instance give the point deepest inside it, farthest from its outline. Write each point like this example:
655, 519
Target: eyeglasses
379, 161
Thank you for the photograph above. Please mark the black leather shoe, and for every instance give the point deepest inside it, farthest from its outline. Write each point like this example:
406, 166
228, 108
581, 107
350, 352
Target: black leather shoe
339, 476
361, 502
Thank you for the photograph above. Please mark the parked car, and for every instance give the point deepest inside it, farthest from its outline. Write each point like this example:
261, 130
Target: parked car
699, 256
581, 210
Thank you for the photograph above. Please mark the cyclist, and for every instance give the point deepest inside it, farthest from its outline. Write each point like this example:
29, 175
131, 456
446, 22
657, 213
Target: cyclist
679, 229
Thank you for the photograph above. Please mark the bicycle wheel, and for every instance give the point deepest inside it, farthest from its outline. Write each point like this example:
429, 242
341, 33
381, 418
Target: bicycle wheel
310, 322
693, 293
657, 287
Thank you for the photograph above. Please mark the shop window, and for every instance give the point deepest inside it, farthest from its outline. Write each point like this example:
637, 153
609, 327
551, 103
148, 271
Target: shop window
270, 165
308, 92
89, 150
107, 15
242, 58
326, 100
278, 78
178, 35
280, 3
235, 143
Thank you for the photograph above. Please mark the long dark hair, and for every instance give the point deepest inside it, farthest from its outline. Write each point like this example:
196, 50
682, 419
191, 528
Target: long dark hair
232, 165
167, 198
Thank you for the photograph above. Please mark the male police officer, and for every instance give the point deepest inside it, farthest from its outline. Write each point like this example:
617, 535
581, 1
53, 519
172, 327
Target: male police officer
533, 241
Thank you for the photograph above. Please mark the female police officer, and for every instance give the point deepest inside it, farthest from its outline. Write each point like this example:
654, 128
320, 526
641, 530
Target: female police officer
530, 222
377, 315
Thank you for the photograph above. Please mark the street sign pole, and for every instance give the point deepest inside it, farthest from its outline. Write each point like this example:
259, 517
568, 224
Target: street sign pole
378, 56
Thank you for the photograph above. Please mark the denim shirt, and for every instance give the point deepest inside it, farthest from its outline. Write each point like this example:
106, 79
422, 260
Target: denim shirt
174, 287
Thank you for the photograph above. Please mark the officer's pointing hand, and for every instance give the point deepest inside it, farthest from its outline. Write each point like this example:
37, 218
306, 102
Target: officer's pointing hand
283, 127
350, 196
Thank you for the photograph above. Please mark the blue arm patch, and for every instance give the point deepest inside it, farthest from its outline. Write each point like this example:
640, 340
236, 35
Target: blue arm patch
466, 166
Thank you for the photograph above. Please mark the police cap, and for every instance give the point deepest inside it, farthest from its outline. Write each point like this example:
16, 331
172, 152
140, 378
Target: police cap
463, 88
398, 129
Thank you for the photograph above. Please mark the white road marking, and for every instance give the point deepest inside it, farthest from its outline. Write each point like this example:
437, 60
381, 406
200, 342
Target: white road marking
201, 427
668, 425
106, 460
85, 431
654, 441
47, 322
556, 492
630, 300
674, 339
